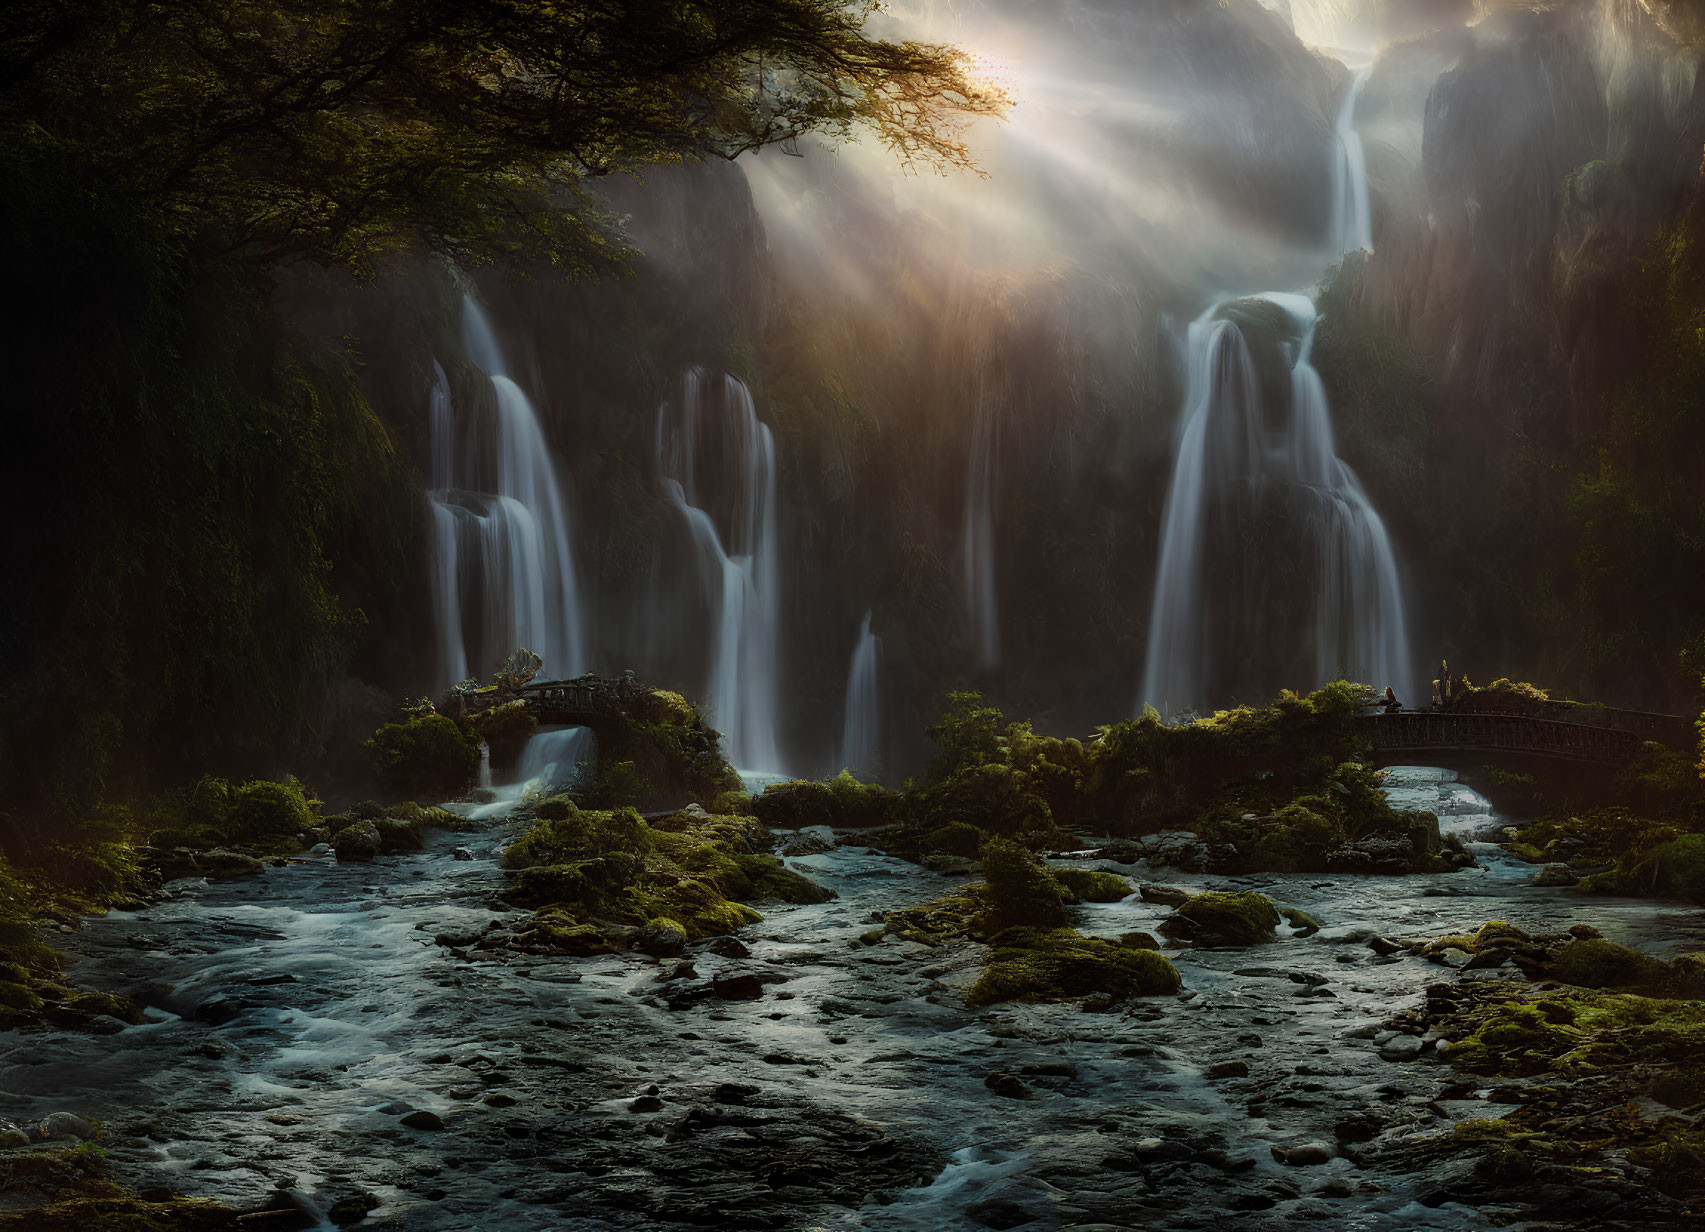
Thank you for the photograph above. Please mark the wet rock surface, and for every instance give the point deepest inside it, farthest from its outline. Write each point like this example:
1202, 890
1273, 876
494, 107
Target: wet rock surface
290, 1034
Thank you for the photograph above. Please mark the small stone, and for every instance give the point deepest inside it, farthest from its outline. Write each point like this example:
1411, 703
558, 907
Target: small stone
728, 947
1308, 1155
59, 1126
1451, 956
1334, 1189
1401, 1048
743, 987
1382, 947
1229, 1069
462, 853
352, 1209
661, 938
646, 1103
733, 1092
1007, 1086
424, 1120
12, 1137
1157, 1150
1166, 896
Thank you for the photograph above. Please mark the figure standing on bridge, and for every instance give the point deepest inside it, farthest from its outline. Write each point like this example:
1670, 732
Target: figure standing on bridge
1392, 705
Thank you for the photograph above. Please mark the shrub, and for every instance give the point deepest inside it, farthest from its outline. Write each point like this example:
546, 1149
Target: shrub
260, 809
427, 756
1021, 891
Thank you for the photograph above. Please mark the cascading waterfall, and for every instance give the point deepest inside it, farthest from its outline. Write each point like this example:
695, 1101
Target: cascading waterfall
506, 531
553, 758
861, 723
1352, 212
739, 571
1230, 448
977, 549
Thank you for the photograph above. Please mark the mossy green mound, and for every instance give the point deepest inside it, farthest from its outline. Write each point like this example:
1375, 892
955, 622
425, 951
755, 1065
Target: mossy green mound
1597, 963
841, 801
595, 876
1062, 965
428, 757
1082, 885
1217, 918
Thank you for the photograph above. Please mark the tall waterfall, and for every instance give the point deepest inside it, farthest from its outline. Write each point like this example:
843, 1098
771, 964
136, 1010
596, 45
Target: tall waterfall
728, 463
977, 546
1238, 453
861, 722
500, 522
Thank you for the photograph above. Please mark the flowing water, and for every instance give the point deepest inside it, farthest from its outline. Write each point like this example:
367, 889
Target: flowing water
1239, 458
500, 526
294, 1020
861, 722
713, 452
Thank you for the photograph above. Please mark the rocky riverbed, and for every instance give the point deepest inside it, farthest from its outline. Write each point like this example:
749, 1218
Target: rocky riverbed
338, 1036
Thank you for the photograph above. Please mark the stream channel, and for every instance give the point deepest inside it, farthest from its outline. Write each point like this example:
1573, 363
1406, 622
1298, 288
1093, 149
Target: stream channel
294, 1021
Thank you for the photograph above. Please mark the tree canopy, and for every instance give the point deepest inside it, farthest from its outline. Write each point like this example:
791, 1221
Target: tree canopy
338, 130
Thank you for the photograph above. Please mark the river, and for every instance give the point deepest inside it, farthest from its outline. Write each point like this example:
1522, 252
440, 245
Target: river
294, 1021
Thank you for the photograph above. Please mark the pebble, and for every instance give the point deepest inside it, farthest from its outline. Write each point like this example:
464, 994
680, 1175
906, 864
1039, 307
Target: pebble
462, 853
1229, 1069
742, 987
1007, 1086
424, 1120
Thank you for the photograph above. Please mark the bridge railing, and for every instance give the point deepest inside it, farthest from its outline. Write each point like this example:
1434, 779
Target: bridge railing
1517, 733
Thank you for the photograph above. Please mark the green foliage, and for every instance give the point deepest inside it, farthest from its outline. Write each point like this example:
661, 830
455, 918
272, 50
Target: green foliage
341, 132
428, 757
261, 809
1060, 964
842, 801
1021, 890
732, 804
618, 784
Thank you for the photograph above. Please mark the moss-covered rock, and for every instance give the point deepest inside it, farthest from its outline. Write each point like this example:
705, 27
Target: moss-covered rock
1060, 964
1022, 891
505, 729
609, 873
1082, 885
1217, 918
1597, 963
428, 756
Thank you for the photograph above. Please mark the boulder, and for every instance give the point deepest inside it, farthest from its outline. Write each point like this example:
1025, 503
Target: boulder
65, 1127
359, 840
1555, 875
1218, 918
661, 938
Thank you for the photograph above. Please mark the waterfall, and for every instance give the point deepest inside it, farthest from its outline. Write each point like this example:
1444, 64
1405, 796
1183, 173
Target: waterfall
1352, 215
1236, 453
485, 764
506, 529
861, 723
977, 551
729, 464
554, 758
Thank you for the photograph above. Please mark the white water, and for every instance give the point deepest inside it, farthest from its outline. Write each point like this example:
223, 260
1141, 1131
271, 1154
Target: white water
977, 548
1228, 446
509, 530
552, 758
861, 722
739, 570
